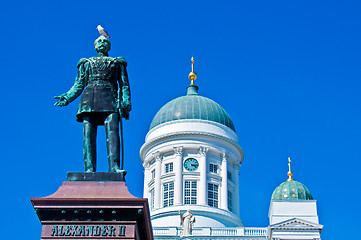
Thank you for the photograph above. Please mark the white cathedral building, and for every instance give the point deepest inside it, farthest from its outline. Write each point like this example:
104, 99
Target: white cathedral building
191, 158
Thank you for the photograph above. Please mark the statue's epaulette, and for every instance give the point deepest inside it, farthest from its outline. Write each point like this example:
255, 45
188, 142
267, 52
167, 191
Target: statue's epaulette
121, 60
81, 61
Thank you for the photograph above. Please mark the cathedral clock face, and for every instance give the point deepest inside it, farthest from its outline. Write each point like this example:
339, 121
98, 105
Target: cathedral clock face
191, 164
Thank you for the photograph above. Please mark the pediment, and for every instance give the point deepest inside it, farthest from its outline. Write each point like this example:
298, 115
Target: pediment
296, 224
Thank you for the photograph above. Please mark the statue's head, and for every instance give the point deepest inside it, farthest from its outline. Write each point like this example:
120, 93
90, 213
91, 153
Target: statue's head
102, 44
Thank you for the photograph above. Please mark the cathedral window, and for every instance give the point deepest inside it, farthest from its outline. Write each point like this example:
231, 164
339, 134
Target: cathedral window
190, 192
229, 175
229, 200
169, 167
153, 173
152, 198
168, 194
213, 168
212, 195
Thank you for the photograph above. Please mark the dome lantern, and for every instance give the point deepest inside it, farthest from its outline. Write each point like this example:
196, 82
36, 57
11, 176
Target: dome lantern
192, 106
192, 75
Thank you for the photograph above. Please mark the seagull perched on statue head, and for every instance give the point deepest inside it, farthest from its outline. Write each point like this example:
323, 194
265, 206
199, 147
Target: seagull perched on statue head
102, 31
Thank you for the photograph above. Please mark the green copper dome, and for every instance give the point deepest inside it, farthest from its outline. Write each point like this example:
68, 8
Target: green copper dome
192, 106
291, 190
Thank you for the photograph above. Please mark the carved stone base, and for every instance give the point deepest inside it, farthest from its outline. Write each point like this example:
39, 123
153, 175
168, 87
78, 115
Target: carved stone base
83, 208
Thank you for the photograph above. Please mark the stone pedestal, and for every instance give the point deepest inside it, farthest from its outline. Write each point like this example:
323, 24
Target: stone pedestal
93, 206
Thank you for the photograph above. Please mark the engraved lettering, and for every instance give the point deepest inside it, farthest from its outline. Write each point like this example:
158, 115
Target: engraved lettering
54, 231
97, 231
61, 233
104, 230
75, 227
89, 229
68, 231
81, 231
121, 231
112, 231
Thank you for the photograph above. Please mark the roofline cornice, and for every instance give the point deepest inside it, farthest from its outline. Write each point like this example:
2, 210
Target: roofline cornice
307, 225
169, 135
224, 127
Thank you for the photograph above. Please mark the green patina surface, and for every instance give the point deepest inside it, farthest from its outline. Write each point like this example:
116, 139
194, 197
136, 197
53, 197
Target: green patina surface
192, 106
102, 82
291, 190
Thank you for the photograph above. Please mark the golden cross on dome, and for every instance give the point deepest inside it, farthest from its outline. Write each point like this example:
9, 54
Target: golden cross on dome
192, 59
192, 75
289, 170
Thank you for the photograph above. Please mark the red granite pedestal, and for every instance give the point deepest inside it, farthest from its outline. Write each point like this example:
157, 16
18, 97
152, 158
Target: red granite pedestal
93, 206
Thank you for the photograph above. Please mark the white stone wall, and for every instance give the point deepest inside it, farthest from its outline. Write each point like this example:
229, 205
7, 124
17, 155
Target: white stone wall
294, 219
282, 210
207, 142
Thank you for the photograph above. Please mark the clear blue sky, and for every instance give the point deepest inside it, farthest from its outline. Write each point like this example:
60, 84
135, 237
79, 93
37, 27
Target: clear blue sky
287, 72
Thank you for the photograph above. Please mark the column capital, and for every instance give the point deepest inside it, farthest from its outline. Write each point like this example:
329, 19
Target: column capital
158, 156
146, 166
178, 151
237, 166
203, 151
224, 156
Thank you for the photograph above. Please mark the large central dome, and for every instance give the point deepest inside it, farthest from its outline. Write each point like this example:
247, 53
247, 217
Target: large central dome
192, 106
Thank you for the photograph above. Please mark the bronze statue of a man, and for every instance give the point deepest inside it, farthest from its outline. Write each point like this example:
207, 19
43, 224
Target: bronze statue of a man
105, 100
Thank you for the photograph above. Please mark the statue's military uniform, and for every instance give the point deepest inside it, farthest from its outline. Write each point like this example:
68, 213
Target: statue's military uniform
98, 78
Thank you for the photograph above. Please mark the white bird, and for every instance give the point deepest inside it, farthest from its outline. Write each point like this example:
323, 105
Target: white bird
102, 31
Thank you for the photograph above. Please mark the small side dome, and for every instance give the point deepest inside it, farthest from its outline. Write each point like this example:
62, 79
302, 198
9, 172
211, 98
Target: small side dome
291, 190
192, 106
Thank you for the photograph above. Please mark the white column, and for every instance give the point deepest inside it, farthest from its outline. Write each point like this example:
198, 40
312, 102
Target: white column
202, 188
146, 180
157, 186
236, 192
178, 169
224, 187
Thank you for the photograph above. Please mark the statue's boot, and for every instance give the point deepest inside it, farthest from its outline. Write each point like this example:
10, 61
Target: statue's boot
111, 125
89, 144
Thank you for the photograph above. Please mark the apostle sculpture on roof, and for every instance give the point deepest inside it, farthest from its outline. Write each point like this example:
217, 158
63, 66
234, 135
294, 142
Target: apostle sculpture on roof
187, 221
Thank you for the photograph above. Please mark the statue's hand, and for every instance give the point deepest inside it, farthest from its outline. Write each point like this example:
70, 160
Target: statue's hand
62, 101
125, 108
